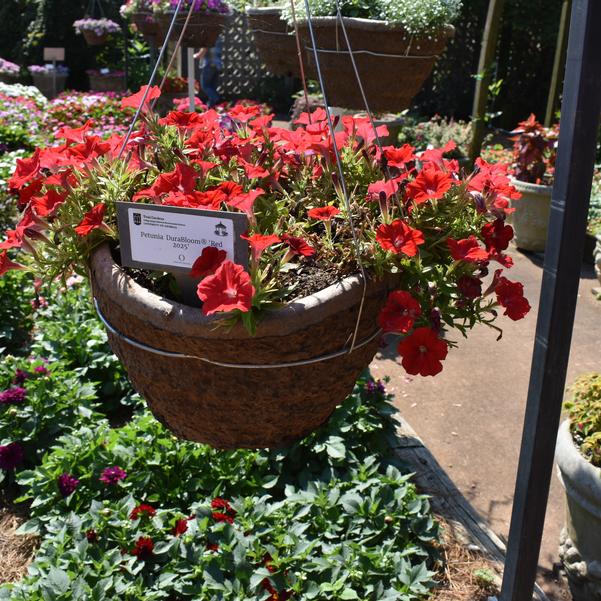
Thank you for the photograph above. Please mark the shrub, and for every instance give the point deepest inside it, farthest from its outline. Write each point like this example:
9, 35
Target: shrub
16, 311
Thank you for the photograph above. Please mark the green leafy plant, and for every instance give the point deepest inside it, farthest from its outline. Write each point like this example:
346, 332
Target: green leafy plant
16, 312
584, 411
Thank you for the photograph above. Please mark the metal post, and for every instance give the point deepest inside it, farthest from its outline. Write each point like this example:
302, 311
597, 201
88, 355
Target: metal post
563, 257
191, 80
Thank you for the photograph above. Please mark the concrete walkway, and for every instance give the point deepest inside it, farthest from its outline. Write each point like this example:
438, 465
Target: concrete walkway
471, 415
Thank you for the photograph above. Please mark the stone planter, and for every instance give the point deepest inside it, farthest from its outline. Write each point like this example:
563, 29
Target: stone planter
225, 387
530, 220
107, 83
275, 40
393, 65
45, 83
580, 549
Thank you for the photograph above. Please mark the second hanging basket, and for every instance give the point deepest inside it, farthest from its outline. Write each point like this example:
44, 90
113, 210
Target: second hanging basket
202, 30
392, 64
230, 399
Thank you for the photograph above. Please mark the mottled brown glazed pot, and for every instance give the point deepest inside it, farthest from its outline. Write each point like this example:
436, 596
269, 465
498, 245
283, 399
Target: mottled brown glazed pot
393, 65
238, 408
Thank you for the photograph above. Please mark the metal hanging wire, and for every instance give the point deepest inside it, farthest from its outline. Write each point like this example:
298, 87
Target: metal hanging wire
91, 5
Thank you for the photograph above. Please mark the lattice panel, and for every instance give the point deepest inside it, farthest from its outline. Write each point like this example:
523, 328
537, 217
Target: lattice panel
242, 68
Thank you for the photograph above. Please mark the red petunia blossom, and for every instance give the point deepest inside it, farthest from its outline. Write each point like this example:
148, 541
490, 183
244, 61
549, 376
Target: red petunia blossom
323, 213
181, 527
399, 313
245, 202
511, 296
26, 171
497, 235
252, 171
6, 264
44, 206
182, 119
430, 184
258, 243
398, 237
229, 288
75, 135
135, 100
422, 352
141, 511
298, 246
470, 287
144, 548
208, 262
182, 179
467, 249
399, 157
92, 220
385, 188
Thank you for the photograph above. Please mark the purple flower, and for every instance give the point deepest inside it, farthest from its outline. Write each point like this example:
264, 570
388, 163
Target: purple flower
11, 455
112, 475
13, 396
20, 377
67, 484
374, 386
41, 370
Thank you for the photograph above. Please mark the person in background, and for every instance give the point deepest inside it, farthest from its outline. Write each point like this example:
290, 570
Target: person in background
211, 65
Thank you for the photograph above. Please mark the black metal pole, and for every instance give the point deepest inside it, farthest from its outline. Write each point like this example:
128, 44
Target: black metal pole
563, 257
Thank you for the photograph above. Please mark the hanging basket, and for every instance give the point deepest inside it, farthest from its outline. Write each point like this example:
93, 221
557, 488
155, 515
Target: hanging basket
202, 31
392, 64
242, 406
107, 83
275, 41
93, 39
148, 27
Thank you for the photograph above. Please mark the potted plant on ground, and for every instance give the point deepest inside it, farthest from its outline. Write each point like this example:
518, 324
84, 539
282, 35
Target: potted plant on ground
534, 153
50, 80
9, 72
578, 457
106, 80
208, 20
142, 16
395, 46
95, 31
273, 347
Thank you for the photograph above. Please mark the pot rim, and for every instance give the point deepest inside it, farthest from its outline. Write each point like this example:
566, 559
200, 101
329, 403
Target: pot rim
375, 25
263, 10
580, 478
187, 320
529, 187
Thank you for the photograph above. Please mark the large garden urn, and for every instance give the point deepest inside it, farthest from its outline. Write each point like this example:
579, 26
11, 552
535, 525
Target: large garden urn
530, 220
580, 549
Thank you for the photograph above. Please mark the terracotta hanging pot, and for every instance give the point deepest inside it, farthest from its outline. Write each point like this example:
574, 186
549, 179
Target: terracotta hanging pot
238, 404
392, 64
202, 31
148, 26
93, 39
275, 40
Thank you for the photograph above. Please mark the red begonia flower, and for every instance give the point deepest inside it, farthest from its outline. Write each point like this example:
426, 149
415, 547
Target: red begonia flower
323, 213
430, 184
141, 511
259, 242
399, 313
422, 352
511, 296
298, 246
467, 249
398, 237
135, 100
208, 262
92, 220
229, 288
6, 264
497, 235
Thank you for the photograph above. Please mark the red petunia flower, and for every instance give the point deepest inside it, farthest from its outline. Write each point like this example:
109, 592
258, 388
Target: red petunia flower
398, 237
258, 243
399, 313
92, 220
298, 246
323, 213
75, 135
467, 249
229, 288
470, 287
44, 206
208, 262
144, 548
430, 184
135, 100
6, 264
141, 511
511, 296
245, 202
422, 352
26, 171
497, 235
399, 157
182, 179
385, 188
182, 119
